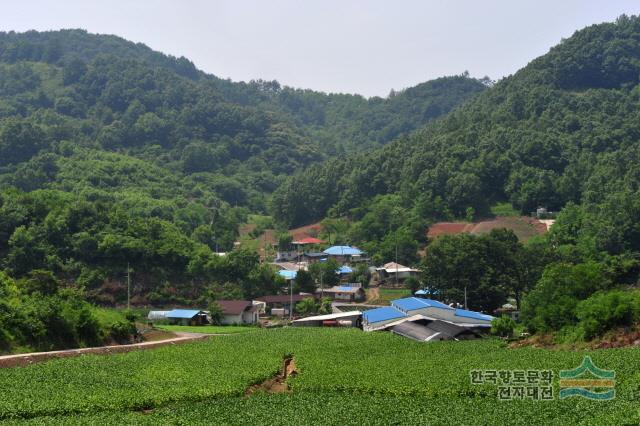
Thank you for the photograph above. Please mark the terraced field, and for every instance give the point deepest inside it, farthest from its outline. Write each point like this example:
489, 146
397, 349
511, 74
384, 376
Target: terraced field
343, 377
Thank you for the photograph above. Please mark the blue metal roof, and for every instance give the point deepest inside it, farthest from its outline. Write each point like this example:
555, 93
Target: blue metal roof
344, 269
382, 314
473, 315
435, 304
183, 313
288, 275
343, 251
414, 303
346, 288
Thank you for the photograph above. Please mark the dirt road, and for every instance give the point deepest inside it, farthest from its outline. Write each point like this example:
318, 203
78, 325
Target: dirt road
21, 360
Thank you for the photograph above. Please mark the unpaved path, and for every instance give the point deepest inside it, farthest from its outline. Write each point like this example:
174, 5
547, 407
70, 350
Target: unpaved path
277, 383
20, 360
372, 294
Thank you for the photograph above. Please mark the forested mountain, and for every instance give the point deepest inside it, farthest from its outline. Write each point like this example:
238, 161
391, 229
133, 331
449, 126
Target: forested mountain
563, 129
562, 133
111, 153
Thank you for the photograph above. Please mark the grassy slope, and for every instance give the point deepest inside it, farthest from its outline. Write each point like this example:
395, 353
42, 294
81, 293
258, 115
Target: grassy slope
345, 376
386, 295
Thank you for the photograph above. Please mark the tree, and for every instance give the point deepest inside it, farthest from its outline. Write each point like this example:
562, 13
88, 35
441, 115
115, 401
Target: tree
307, 306
552, 303
325, 272
413, 284
503, 326
215, 311
304, 282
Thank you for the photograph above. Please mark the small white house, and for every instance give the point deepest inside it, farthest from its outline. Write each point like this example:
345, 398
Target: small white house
239, 312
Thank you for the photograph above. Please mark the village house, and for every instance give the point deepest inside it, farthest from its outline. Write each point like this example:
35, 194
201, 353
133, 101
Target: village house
344, 293
281, 303
345, 254
239, 312
394, 271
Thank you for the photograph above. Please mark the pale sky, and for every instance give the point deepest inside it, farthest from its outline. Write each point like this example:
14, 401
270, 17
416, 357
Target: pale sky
353, 46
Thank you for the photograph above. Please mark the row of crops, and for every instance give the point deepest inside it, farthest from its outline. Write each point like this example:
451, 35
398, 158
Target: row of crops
310, 408
345, 377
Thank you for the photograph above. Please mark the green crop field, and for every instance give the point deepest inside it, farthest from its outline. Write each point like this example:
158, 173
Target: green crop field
344, 377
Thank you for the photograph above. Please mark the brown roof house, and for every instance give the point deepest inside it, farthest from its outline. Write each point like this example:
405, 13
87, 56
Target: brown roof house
239, 312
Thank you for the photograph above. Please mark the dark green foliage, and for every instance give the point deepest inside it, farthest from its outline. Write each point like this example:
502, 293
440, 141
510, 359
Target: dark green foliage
122, 331
503, 326
324, 273
215, 311
304, 282
307, 306
552, 304
488, 267
603, 311
39, 313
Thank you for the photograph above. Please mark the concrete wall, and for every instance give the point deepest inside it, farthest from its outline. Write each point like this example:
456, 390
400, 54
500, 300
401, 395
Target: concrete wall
231, 319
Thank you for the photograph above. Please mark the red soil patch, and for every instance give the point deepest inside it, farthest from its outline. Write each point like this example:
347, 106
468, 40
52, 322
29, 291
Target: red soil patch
247, 228
449, 228
312, 230
524, 227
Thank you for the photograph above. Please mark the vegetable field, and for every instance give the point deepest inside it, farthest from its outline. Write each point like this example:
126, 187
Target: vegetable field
344, 377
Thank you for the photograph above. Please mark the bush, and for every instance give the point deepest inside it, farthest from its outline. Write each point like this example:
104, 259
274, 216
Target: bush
552, 303
122, 331
606, 310
503, 326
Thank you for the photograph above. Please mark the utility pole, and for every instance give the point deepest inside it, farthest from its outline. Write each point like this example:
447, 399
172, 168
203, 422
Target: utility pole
465, 297
291, 300
396, 239
128, 287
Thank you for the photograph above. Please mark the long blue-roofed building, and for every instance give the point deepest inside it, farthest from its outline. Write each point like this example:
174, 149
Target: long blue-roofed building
417, 309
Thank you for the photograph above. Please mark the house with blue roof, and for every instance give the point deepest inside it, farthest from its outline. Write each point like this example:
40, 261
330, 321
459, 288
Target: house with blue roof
345, 254
187, 317
345, 293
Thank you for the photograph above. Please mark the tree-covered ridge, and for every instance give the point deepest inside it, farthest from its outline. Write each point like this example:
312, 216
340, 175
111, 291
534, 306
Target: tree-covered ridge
528, 140
112, 154
351, 123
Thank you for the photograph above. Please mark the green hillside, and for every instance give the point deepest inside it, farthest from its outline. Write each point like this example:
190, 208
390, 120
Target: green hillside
113, 154
561, 133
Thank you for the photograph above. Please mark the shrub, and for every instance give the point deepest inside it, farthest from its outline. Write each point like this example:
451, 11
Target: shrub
503, 326
122, 331
606, 310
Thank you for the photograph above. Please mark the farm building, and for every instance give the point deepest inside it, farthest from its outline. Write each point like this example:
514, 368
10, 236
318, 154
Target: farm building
392, 269
187, 317
345, 254
157, 315
341, 319
348, 293
313, 257
413, 307
424, 330
239, 311
282, 301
